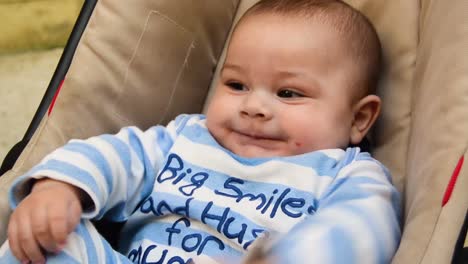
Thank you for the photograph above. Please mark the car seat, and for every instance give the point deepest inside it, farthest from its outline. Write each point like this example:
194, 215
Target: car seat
143, 62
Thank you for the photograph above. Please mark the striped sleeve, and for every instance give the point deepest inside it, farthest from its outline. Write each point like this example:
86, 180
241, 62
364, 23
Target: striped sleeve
358, 221
116, 171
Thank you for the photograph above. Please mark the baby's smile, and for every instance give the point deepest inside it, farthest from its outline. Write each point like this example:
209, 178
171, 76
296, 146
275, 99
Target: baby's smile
253, 135
260, 139
248, 141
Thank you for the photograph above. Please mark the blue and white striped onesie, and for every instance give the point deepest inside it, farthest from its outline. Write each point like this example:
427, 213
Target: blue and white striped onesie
185, 197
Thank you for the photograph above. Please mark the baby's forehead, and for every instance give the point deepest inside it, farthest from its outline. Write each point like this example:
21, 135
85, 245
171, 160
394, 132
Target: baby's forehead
301, 22
297, 27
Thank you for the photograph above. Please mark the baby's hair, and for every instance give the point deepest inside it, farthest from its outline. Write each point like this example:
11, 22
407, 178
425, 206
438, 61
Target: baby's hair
358, 32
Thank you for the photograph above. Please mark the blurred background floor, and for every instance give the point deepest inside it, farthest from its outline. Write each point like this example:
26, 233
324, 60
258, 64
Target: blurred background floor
24, 78
32, 36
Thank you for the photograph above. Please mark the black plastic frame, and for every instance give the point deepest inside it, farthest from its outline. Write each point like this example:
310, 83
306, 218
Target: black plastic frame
460, 255
59, 74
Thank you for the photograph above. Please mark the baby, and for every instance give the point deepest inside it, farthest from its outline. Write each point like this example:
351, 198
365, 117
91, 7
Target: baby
272, 158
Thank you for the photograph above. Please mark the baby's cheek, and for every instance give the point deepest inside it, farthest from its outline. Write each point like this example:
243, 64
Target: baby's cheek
299, 147
306, 142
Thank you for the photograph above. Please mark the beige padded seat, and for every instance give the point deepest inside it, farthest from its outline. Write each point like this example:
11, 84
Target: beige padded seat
142, 64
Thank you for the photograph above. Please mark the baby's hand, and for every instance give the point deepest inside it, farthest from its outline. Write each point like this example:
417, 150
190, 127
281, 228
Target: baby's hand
43, 220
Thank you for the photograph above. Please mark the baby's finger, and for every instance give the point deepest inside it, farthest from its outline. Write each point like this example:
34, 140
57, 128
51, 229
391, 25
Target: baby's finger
14, 241
58, 222
41, 229
28, 242
74, 218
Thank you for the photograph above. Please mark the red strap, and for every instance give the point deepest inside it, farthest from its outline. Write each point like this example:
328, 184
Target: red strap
452, 182
55, 98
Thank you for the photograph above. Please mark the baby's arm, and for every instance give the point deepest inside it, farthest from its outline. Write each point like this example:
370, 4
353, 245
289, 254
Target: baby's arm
357, 221
114, 171
44, 219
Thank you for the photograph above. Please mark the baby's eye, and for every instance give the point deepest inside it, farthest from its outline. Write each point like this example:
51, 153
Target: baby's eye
288, 94
236, 86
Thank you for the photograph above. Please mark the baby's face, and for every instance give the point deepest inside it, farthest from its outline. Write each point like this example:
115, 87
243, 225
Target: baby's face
284, 89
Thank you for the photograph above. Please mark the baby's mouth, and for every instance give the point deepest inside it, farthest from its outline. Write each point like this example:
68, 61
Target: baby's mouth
256, 136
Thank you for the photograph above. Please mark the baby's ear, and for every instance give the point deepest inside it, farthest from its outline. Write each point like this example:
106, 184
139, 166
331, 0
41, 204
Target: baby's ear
365, 112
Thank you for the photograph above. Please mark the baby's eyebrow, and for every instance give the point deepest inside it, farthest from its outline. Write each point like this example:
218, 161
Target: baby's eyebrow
289, 74
311, 81
231, 66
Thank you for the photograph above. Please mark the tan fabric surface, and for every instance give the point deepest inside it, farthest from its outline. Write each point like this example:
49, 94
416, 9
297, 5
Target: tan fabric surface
438, 135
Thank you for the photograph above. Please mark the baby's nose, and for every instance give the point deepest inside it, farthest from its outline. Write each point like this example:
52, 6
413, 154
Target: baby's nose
256, 106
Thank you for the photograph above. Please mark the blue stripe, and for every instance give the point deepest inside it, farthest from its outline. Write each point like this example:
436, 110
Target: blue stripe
95, 156
110, 254
364, 156
137, 147
149, 171
122, 151
342, 244
63, 257
113, 256
163, 139
396, 204
123, 259
348, 189
73, 172
376, 229
9, 258
350, 156
338, 243
181, 121
83, 232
